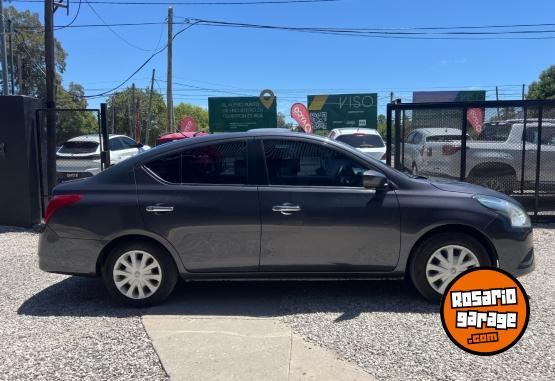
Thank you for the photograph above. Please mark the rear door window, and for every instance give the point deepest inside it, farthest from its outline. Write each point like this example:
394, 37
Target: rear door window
224, 163
116, 144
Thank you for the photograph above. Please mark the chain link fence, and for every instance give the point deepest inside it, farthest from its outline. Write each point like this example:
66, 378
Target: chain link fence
508, 146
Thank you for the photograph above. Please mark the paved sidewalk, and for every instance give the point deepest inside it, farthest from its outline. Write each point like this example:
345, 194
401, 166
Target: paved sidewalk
241, 348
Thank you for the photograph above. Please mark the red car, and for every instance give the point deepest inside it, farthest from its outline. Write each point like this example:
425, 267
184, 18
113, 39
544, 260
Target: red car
178, 136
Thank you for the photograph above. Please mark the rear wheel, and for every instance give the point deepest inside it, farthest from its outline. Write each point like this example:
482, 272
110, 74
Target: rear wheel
440, 258
139, 274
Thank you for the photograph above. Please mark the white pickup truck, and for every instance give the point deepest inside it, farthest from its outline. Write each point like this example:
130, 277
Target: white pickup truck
493, 158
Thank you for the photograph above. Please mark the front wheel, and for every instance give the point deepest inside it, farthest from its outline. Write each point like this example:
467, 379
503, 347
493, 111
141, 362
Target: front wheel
139, 274
440, 258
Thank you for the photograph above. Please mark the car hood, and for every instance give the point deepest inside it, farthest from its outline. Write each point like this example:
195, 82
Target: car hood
460, 187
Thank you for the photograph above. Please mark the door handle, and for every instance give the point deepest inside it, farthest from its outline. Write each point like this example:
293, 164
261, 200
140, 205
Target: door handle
159, 209
286, 209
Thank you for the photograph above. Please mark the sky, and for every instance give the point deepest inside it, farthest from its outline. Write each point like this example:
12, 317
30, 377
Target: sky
293, 65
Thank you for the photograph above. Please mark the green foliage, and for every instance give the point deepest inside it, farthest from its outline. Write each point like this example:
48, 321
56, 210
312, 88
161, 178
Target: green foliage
545, 87
199, 114
74, 123
382, 125
121, 103
28, 43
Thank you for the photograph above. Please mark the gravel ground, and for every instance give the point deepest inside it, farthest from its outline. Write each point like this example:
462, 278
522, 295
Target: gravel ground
59, 327
395, 336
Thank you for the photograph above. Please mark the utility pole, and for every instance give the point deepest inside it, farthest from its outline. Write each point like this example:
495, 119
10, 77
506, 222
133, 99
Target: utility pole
132, 111
10, 46
523, 91
497, 99
149, 114
19, 75
113, 114
169, 96
3, 50
50, 61
391, 96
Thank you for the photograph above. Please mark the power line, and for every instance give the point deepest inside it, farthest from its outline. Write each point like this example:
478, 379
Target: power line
72, 21
165, 3
142, 65
116, 33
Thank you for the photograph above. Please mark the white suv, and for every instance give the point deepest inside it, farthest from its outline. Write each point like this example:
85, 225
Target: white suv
366, 140
80, 156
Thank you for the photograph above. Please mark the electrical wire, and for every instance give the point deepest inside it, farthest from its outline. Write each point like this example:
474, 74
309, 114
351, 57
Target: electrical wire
116, 33
142, 65
256, 2
72, 21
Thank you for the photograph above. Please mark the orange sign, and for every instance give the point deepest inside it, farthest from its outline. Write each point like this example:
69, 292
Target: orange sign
485, 311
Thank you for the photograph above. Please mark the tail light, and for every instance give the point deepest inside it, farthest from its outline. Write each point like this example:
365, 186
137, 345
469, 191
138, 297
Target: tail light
58, 202
450, 150
384, 156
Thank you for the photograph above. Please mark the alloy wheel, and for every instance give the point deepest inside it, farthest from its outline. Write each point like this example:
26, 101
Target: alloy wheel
137, 274
446, 263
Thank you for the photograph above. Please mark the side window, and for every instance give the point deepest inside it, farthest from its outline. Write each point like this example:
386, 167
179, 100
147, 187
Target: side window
224, 163
166, 168
292, 162
417, 139
128, 143
410, 137
532, 135
115, 144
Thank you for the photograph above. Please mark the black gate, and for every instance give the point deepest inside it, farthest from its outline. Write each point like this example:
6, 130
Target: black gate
81, 145
508, 146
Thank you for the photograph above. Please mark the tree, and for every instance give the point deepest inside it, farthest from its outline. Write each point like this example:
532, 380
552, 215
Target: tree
545, 87
74, 123
382, 125
28, 43
121, 103
199, 114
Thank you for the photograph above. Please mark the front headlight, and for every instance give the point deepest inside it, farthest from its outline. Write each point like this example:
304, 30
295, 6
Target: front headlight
518, 217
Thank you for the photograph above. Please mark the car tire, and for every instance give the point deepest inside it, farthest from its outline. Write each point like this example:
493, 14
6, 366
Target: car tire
427, 260
139, 274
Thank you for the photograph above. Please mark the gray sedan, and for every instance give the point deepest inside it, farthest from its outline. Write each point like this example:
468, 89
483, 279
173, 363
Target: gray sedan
272, 204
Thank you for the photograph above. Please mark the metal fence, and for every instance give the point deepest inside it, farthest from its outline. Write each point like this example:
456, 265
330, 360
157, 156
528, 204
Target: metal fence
80, 148
508, 146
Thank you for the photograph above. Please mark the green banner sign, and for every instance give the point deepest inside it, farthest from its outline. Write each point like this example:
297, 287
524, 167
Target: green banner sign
343, 111
234, 114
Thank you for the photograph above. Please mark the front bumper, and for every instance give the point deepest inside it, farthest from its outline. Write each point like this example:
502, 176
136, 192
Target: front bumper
68, 255
514, 246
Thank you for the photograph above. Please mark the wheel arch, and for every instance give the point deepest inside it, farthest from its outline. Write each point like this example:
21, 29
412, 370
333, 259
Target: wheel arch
136, 237
484, 169
458, 228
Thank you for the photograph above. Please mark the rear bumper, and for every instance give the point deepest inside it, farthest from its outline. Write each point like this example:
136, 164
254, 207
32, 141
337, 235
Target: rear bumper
68, 255
514, 247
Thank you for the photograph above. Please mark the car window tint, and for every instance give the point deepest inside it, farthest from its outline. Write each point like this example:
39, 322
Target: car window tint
166, 168
292, 162
128, 143
409, 138
417, 138
362, 140
77, 147
115, 144
224, 163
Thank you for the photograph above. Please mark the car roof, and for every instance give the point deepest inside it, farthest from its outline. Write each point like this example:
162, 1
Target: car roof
94, 138
354, 130
438, 131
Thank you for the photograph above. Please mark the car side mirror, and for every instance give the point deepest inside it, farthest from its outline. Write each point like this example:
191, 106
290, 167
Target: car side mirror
374, 180
140, 145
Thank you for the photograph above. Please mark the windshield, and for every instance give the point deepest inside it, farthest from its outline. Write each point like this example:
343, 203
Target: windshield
78, 147
361, 140
495, 132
